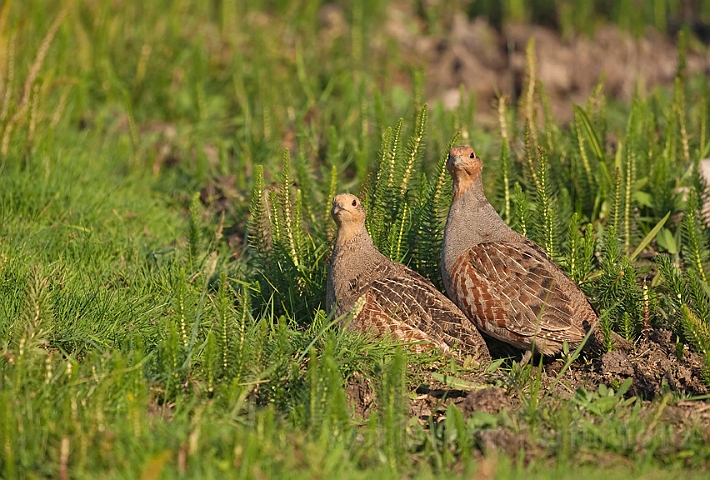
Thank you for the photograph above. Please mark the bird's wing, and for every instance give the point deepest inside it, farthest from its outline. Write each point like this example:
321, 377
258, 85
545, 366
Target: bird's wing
374, 312
408, 298
516, 287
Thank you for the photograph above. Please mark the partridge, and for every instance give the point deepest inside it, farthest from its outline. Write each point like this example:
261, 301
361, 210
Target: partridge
503, 282
385, 297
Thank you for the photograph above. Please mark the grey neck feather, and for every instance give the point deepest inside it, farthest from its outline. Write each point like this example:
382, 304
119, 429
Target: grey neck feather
472, 220
351, 258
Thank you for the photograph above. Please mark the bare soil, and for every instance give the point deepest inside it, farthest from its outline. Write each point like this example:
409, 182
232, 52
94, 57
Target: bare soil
652, 364
489, 62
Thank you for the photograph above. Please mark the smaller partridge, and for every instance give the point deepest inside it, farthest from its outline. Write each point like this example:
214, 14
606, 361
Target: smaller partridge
385, 297
503, 282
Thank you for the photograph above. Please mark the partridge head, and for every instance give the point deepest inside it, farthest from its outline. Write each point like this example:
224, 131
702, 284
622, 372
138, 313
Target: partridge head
388, 298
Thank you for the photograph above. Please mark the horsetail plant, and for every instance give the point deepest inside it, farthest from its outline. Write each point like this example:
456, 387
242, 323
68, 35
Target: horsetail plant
695, 241
505, 170
546, 223
413, 150
427, 238
521, 206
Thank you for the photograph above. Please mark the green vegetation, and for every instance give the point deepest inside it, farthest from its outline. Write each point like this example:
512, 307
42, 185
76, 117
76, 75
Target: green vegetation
136, 342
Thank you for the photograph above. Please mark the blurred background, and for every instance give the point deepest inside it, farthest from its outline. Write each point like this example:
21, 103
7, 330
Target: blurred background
269, 74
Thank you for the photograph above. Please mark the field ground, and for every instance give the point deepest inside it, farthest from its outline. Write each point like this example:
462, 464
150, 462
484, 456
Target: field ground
163, 258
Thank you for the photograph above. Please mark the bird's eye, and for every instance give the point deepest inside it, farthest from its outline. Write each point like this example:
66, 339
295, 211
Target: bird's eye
473, 155
354, 203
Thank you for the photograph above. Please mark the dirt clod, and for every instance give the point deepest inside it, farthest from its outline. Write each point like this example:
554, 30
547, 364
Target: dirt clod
360, 395
490, 400
652, 364
616, 362
501, 440
656, 363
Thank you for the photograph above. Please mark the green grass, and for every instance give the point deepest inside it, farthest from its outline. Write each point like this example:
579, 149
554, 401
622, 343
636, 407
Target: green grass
136, 343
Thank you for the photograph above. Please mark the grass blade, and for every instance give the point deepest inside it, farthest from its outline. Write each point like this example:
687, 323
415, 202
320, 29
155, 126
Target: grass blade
591, 133
651, 235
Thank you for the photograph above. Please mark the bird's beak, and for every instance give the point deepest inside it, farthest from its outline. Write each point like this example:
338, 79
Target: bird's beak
453, 162
337, 208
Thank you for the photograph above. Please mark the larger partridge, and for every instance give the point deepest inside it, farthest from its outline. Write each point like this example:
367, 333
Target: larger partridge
387, 297
502, 281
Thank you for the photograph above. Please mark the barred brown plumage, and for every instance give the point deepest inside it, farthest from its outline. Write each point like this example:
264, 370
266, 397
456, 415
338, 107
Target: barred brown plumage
508, 286
386, 297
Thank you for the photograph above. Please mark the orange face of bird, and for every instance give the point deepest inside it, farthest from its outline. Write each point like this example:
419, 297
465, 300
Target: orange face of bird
465, 167
347, 209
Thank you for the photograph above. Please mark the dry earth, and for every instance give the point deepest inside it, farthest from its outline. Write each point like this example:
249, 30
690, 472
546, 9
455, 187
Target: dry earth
489, 62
